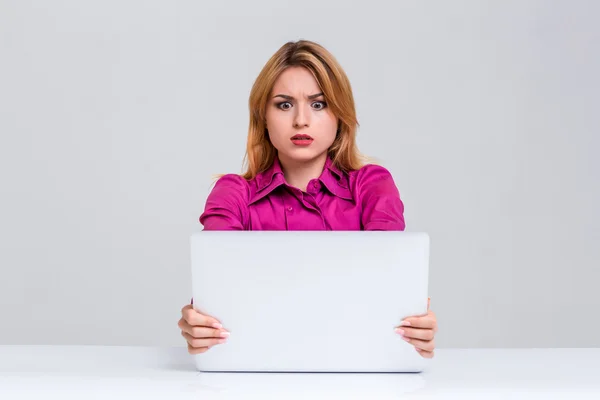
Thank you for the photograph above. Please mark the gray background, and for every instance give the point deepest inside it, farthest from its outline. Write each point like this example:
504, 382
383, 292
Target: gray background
115, 115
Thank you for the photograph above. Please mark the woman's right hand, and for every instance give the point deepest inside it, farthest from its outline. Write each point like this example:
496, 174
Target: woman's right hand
200, 331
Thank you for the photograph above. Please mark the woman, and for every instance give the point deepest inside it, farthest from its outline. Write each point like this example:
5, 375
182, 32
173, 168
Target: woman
304, 173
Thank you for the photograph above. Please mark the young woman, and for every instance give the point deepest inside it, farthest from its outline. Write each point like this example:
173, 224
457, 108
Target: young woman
304, 173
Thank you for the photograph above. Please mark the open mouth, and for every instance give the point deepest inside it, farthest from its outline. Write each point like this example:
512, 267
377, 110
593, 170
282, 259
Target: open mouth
302, 140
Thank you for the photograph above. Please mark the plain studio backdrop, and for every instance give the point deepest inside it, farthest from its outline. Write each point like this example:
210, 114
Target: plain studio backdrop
116, 115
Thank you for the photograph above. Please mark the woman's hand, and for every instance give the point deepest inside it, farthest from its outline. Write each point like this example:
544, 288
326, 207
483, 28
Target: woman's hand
200, 331
420, 331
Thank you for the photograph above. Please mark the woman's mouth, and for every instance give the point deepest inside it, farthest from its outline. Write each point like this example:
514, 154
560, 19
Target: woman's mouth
302, 140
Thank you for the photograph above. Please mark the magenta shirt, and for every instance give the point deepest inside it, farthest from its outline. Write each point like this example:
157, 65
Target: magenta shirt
365, 199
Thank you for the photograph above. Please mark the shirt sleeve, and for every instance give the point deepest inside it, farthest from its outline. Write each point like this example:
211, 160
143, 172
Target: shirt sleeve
227, 205
382, 208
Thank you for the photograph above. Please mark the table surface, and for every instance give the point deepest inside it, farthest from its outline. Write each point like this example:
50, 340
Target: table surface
113, 372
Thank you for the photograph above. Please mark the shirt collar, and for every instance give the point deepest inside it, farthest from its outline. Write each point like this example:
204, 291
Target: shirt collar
335, 180
332, 178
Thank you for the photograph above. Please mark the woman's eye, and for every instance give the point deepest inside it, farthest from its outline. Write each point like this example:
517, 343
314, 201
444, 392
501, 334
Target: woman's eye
283, 106
322, 103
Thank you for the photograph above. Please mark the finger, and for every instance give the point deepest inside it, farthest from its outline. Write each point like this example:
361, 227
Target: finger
187, 306
200, 332
197, 343
428, 302
426, 322
200, 350
424, 353
416, 333
427, 345
195, 318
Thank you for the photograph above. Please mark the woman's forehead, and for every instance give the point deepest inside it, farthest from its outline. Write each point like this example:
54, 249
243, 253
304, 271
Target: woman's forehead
296, 81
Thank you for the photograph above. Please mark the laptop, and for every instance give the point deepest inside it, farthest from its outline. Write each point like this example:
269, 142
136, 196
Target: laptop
310, 301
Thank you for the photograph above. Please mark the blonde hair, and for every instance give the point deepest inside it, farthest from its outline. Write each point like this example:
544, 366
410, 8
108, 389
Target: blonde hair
260, 152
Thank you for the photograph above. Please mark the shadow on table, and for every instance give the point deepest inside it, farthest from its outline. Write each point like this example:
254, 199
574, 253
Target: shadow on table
286, 385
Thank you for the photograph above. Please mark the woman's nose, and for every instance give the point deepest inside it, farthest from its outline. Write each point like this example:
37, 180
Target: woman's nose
301, 118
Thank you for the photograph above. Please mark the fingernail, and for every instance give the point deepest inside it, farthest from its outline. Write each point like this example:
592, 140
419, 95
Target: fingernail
405, 323
405, 338
225, 334
217, 325
400, 331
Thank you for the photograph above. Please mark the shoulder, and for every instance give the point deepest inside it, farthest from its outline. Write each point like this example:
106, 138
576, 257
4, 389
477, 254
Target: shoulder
373, 178
231, 187
233, 181
227, 204
376, 192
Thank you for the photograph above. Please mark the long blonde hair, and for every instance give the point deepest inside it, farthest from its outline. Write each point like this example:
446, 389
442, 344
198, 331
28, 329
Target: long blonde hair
260, 152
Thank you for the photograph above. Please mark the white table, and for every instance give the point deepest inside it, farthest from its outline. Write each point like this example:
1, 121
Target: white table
98, 372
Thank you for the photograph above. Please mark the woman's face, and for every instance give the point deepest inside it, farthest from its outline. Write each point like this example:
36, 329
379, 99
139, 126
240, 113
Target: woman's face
300, 124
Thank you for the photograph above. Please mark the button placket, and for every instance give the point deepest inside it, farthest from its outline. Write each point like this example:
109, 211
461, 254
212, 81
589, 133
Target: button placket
288, 215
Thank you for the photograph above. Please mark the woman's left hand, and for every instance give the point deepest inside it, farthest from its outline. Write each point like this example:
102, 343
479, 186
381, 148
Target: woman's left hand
420, 331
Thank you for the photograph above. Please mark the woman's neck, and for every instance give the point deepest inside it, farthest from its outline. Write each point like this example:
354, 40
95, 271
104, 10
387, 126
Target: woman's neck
299, 173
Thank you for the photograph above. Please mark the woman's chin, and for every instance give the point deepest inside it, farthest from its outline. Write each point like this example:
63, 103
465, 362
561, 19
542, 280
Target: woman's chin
302, 155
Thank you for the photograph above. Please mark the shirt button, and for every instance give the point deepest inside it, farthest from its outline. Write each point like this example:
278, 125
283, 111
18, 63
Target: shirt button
316, 185
289, 208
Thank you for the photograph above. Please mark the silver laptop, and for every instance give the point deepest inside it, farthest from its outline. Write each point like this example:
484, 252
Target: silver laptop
311, 301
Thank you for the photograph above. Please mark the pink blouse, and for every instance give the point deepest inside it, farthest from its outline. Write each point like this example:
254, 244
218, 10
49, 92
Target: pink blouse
365, 199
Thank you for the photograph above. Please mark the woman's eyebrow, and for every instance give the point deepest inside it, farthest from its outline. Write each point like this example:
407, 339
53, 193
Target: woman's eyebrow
312, 96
